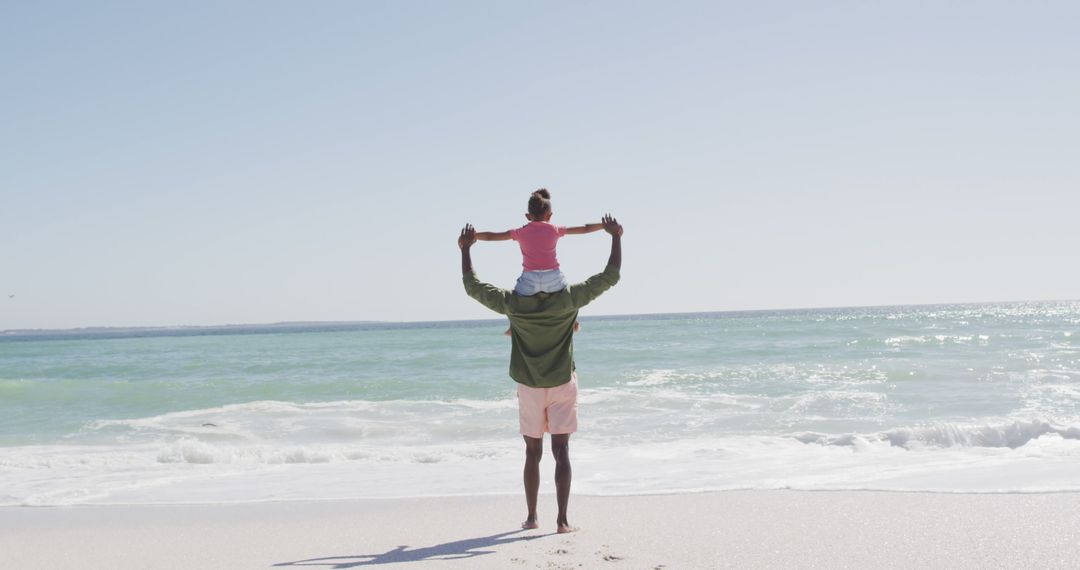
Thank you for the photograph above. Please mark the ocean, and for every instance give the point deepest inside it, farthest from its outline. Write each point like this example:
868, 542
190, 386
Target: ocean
947, 398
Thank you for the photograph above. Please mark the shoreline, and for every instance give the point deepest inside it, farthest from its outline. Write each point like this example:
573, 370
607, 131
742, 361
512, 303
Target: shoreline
779, 528
546, 490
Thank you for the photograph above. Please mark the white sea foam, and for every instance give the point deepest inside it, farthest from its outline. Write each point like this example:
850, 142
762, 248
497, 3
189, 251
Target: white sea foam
654, 378
1011, 434
397, 421
906, 340
944, 457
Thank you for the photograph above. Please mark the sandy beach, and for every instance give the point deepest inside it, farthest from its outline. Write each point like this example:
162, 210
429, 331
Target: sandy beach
735, 529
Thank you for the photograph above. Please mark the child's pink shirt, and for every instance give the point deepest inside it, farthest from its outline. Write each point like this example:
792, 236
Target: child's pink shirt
537, 241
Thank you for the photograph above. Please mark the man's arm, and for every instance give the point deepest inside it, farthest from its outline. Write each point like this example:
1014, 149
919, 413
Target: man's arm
585, 229
465, 241
488, 295
492, 236
612, 226
583, 293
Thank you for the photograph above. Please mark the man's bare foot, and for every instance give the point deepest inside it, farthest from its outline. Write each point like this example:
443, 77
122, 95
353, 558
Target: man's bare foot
530, 524
507, 333
565, 528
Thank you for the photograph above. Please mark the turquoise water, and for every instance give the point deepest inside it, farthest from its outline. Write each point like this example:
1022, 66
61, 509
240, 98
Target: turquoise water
50, 389
717, 400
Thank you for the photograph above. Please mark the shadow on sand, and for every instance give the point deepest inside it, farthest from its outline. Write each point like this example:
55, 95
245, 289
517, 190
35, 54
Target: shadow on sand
456, 550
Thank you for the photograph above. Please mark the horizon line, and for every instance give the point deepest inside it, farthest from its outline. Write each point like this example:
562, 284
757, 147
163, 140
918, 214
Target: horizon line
284, 324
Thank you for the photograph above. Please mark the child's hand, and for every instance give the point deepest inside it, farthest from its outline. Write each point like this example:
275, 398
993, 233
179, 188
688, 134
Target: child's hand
611, 225
467, 237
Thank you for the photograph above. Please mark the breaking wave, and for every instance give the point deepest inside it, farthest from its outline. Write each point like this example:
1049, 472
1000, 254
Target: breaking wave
1012, 434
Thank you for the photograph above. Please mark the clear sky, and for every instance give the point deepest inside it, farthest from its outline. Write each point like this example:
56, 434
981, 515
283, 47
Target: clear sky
169, 163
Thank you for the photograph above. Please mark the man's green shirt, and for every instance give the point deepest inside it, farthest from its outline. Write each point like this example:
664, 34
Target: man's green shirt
542, 325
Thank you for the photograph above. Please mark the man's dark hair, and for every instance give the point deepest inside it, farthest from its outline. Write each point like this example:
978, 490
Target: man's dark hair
539, 204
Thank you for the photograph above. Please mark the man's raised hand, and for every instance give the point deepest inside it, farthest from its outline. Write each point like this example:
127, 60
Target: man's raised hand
467, 237
611, 225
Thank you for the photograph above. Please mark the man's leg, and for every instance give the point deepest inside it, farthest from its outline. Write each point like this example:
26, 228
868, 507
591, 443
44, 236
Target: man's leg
534, 450
560, 448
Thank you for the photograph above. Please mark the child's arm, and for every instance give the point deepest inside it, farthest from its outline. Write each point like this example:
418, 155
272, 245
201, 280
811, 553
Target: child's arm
493, 236
586, 229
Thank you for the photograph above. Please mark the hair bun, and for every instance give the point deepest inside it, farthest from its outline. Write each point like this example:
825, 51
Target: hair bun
539, 204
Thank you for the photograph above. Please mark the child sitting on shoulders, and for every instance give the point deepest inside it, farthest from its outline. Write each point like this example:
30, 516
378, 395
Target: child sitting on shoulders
537, 240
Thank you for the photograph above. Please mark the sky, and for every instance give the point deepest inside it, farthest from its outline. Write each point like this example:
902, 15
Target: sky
204, 163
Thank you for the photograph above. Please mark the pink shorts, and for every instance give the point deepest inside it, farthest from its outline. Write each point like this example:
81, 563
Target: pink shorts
552, 410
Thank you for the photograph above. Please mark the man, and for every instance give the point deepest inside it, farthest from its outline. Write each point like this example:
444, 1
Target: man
542, 362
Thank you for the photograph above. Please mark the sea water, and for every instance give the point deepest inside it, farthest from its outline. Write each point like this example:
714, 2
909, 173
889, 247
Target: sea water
956, 398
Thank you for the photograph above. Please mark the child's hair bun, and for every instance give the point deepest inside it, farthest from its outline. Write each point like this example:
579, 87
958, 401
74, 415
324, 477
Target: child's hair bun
539, 203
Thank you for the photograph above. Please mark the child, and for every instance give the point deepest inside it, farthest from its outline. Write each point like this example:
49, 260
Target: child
537, 240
